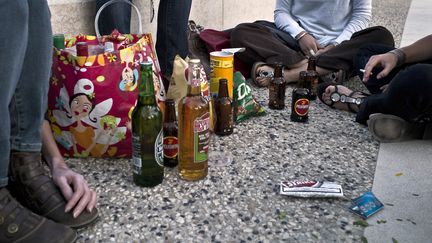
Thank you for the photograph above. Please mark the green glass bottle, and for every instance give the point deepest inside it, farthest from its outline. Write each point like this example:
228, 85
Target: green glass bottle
147, 135
59, 41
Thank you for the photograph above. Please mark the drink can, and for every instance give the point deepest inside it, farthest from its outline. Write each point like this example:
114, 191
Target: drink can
222, 67
82, 49
300, 105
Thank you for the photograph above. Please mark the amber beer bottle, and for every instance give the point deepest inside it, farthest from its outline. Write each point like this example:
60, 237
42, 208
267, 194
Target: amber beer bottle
300, 105
277, 89
309, 78
224, 110
170, 135
194, 133
147, 148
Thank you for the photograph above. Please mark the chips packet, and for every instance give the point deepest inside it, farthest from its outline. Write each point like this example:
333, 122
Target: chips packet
245, 105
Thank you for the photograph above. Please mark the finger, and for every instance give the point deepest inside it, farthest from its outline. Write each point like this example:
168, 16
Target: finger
84, 200
93, 200
65, 188
384, 72
78, 193
368, 68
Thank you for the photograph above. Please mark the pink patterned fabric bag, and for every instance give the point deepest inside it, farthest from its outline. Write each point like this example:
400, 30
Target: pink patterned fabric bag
91, 98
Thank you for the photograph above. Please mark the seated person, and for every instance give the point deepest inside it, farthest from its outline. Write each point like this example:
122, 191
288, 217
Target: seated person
400, 81
331, 30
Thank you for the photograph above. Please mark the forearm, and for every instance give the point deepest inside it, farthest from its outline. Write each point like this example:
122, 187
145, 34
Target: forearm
420, 50
361, 16
284, 20
50, 150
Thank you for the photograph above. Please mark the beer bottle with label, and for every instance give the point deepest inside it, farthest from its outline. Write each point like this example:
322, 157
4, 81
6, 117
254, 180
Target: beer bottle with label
170, 141
277, 89
147, 148
194, 123
224, 110
309, 79
300, 105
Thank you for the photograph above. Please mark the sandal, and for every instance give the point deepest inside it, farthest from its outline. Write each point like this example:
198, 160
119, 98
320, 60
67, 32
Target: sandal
354, 98
260, 74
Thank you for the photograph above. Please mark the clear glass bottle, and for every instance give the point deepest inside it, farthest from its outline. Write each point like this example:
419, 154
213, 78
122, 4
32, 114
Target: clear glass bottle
194, 124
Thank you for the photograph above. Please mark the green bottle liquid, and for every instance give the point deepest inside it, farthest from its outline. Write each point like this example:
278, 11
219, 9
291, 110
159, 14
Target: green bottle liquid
147, 135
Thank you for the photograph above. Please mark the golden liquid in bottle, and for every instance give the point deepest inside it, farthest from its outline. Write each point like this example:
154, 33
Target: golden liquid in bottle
194, 128
194, 122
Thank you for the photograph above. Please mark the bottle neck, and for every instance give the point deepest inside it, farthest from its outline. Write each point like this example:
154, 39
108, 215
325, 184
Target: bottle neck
194, 80
223, 89
312, 63
278, 71
170, 114
146, 94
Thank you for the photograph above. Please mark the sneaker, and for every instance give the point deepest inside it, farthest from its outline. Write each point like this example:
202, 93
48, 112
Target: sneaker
389, 128
30, 184
18, 224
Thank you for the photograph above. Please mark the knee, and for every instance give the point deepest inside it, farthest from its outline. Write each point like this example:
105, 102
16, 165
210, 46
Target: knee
386, 37
238, 33
418, 75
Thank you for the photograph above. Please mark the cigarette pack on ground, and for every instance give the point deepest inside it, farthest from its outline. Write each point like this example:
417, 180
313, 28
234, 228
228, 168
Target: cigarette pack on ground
366, 205
311, 188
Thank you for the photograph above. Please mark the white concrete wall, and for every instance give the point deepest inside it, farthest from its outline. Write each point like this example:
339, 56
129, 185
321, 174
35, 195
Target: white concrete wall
77, 16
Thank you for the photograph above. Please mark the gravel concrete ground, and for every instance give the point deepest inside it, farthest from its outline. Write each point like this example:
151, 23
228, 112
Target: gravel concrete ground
240, 202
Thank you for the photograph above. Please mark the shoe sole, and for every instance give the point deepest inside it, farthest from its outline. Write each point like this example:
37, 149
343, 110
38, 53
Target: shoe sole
390, 129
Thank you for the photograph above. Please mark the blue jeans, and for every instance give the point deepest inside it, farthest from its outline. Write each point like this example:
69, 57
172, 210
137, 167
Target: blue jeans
172, 24
172, 39
115, 16
25, 61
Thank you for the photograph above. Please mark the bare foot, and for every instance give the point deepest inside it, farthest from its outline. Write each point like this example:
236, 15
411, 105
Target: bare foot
291, 74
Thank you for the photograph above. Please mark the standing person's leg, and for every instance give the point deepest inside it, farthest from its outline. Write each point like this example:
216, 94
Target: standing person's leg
172, 24
23, 96
13, 45
27, 181
115, 16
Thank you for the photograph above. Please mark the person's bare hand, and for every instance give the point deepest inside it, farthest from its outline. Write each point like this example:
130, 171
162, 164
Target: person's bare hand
75, 189
325, 49
387, 61
308, 43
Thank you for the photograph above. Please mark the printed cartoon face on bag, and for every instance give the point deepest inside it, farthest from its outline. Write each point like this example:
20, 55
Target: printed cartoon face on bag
129, 79
91, 98
91, 131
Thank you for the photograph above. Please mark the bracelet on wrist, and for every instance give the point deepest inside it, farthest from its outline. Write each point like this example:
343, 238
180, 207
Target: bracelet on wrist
400, 55
301, 35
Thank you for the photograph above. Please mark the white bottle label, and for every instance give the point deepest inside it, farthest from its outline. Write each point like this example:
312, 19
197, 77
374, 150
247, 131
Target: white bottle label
136, 155
158, 148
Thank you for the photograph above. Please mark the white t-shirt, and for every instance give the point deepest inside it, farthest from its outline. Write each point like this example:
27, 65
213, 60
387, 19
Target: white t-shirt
326, 20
